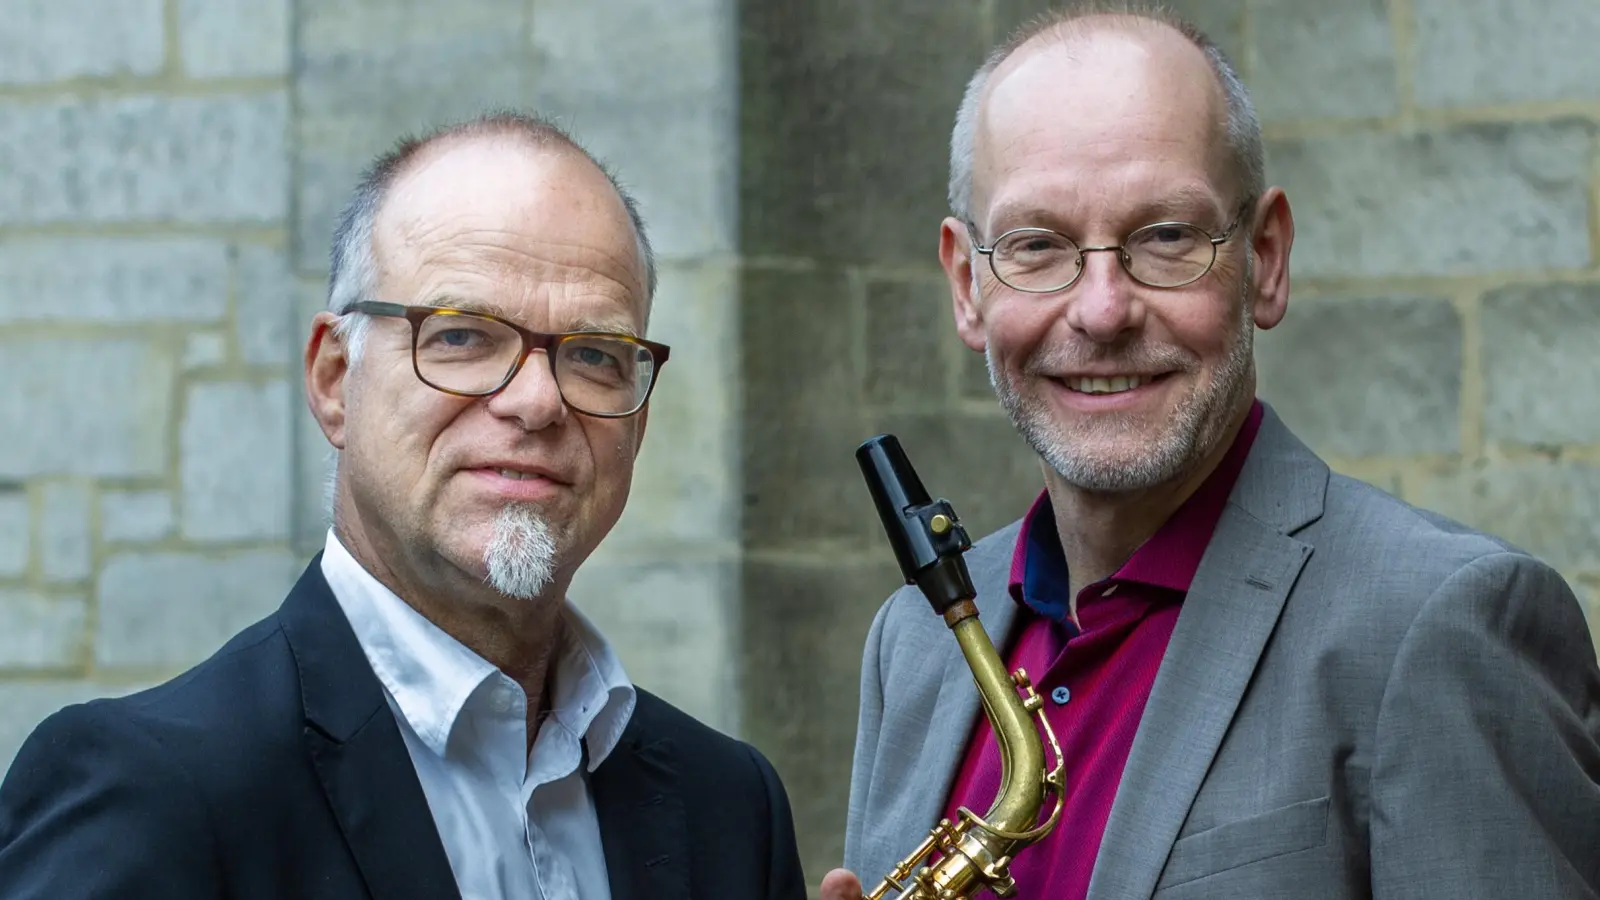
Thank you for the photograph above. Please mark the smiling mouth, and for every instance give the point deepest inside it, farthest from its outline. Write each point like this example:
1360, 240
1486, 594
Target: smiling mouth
517, 476
1114, 385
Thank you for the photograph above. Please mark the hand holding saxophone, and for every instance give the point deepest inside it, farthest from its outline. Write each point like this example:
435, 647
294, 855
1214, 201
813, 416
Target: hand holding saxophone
841, 884
975, 852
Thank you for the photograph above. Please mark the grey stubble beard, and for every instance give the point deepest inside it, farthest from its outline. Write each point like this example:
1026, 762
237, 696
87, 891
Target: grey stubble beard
1190, 433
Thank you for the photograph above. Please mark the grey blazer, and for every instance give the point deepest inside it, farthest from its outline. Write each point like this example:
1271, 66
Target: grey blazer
1360, 699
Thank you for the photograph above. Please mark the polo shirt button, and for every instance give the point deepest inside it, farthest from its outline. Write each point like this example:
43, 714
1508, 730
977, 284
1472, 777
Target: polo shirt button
1061, 695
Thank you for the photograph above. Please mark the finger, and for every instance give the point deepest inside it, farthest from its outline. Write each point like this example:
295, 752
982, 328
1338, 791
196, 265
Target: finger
841, 884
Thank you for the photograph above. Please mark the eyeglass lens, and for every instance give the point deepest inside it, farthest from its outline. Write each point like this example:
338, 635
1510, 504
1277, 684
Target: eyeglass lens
469, 354
1165, 255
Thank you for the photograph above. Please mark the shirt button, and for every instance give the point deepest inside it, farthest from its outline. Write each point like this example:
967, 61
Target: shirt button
1061, 695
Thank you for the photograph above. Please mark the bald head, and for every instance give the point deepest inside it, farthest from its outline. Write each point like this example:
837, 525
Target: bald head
353, 263
549, 194
1103, 61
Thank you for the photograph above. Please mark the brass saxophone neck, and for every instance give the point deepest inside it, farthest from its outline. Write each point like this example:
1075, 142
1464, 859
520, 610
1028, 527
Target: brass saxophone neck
975, 852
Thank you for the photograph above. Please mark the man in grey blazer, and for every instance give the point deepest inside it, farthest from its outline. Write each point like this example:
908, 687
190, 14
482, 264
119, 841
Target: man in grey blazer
1267, 680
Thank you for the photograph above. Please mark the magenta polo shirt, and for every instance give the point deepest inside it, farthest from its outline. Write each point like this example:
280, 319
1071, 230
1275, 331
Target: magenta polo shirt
1094, 675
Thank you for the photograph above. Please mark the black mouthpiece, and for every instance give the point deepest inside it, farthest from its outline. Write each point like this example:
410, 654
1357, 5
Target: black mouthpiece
927, 538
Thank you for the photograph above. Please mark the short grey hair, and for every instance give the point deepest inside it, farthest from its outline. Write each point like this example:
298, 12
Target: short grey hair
352, 262
1243, 127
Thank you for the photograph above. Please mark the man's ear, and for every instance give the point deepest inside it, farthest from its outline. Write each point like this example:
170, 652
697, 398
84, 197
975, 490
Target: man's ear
1271, 241
327, 367
955, 255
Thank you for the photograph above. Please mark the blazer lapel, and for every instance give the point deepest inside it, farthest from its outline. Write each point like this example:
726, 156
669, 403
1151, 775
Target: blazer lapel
359, 755
1228, 616
643, 826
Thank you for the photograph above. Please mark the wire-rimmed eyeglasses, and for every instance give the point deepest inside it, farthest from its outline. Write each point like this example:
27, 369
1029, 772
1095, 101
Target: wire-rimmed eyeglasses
476, 354
1161, 255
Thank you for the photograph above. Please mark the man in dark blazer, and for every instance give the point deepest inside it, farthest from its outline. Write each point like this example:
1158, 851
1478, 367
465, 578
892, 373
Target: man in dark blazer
1267, 679
427, 716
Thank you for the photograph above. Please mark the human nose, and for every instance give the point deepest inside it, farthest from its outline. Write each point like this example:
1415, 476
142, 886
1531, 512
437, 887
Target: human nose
532, 397
1104, 304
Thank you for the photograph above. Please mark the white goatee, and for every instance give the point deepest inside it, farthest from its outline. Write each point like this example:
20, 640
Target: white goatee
521, 553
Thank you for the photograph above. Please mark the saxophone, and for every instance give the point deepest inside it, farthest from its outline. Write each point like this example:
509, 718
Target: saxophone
976, 852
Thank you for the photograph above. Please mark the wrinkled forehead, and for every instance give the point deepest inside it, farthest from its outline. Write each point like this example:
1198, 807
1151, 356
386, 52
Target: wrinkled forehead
1129, 111
507, 208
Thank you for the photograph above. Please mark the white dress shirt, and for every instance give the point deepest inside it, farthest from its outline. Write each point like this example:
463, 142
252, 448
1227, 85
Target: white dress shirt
515, 825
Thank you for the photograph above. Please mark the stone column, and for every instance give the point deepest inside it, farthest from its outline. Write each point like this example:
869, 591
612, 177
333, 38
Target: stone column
846, 332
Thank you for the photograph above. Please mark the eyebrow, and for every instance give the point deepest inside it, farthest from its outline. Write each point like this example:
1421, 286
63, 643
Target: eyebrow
469, 304
1183, 200
581, 323
1176, 203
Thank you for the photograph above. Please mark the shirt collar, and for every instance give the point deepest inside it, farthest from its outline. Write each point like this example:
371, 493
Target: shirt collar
1169, 559
434, 679
593, 695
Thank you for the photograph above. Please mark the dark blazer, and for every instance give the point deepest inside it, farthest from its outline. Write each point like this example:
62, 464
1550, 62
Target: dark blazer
275, 769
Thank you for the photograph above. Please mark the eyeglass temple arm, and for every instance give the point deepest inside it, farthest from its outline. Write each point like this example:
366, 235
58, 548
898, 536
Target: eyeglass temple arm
377, 308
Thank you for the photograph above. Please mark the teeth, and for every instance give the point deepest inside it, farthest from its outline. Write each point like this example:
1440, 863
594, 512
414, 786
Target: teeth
1105, 385
518, 476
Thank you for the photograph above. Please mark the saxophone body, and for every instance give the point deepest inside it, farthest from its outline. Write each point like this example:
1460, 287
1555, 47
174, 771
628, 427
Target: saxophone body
975, 852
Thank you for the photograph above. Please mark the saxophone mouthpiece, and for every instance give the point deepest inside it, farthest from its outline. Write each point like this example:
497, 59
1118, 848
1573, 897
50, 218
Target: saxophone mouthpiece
926, 535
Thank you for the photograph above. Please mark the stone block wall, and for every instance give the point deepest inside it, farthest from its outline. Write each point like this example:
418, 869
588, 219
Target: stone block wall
149, 394
169, 170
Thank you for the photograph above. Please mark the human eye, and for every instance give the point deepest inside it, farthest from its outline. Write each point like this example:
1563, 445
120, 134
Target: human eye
592, 355
461, 337
1033, 249
1173, 240
458, 336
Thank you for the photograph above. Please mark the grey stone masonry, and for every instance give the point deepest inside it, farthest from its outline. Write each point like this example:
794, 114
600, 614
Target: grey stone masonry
234, 38
234, 442
42, 631
66, 543
1541, 364
114, 281
136, 516
685, 479
204, 350
1331, 58
654, 101
370, 71
267, 325
1367, 376
1461, 201
170, 610
16, 532
1544, 506
84, 407
1492, 52
56, 40
146, 157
